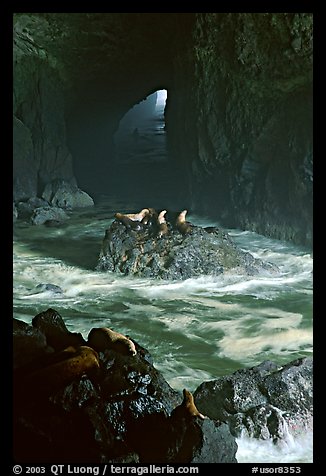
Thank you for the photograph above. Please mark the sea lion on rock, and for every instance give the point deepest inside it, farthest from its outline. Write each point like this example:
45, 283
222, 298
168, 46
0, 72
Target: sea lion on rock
138, 216
151, 217
150, 222
181, 224
162, 225
128, 222
102, 338
73, 363
187, 408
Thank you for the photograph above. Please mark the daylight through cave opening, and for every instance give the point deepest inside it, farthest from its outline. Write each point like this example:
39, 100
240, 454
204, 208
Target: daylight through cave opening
141, 133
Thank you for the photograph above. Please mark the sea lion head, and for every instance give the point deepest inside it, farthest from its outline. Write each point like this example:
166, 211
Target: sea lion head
161, 217
187, 396
143, 212
182, 215
189, 404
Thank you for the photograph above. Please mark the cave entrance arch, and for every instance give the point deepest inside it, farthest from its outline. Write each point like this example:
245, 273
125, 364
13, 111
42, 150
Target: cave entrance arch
141, 136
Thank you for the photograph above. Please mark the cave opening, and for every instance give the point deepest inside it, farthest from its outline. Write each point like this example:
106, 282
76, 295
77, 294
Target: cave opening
141, 135
120, 146
141, 156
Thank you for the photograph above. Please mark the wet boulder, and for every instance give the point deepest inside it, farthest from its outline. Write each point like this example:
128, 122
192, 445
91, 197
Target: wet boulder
51, 324
49, 287
63, 194
25, 209
174, 255
266, 401
14, 212
43, 214
79, 405
28, 344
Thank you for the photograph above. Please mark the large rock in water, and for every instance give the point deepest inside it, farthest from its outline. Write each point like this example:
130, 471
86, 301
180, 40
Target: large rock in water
266, 401
43, 214
75, 405
208, 251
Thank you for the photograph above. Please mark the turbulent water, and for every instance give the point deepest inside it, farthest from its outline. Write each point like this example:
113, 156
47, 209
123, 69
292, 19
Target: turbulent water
197, 329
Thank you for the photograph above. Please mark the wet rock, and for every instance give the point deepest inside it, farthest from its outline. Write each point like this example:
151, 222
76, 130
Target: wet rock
224, 447
120, 409
43, 214
197, 441
15, 212
53, 223
49, 287
51, 324
28, 344
175, 256
66, 195
26, 209
265, 401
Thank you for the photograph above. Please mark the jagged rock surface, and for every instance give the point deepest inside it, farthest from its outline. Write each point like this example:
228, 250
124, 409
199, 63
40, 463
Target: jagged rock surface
66, 195
43, 214
266, 401
175, 256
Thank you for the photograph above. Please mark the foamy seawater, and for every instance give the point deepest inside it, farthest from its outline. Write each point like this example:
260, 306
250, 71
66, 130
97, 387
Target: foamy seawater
291, 450
197, 329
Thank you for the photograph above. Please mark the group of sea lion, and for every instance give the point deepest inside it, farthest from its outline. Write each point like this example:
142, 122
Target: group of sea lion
148, 219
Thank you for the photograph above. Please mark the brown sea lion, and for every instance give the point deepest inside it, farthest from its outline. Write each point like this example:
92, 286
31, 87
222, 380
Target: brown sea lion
181, 224
102, 338
128, 222
138, 216
162, 226
150, 218
72, 363
187, 407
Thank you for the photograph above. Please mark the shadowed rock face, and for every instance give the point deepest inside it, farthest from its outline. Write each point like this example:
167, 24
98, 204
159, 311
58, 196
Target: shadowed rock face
265, 401
175, 256
238, 117
245, 135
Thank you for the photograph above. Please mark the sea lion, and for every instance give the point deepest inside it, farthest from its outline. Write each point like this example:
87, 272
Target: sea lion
102, 338
162, 226
72, 363
150, 222
181, 224
150, 218
187, 407
138, 216
128, 222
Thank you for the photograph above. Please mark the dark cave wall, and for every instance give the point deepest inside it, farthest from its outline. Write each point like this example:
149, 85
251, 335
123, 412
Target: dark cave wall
75, 76
40, 151
238, 117
244, 125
